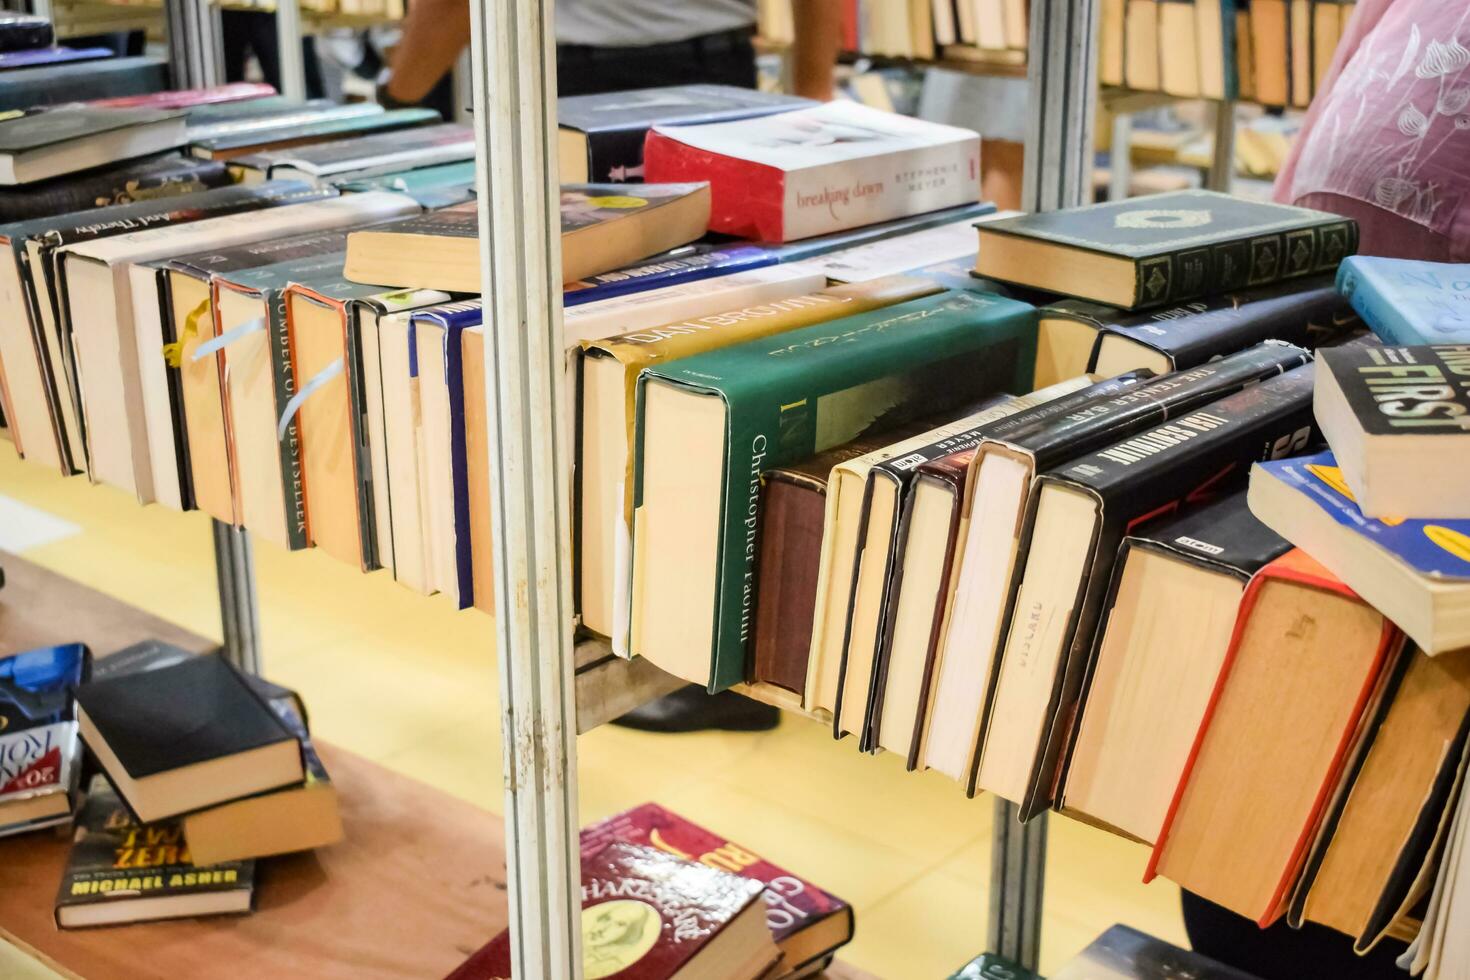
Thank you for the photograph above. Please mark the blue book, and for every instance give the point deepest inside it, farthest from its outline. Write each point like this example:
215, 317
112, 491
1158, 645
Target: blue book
1417, 572
809, 248
1407, 302
50, 56
687, 264
438, 362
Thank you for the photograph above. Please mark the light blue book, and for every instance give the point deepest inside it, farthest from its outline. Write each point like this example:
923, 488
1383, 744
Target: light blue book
1407, 302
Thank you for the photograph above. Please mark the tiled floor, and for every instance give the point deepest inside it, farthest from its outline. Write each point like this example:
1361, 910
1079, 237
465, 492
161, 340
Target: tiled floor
411, 683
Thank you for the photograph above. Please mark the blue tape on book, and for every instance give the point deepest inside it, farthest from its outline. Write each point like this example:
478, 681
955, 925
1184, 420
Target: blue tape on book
307, 390
217, 343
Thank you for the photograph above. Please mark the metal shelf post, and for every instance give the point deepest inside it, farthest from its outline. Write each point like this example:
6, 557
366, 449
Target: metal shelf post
288, 44
195, 52
234, 568
513, 89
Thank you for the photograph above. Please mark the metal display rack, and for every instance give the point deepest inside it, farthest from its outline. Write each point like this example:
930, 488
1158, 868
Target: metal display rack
551, 685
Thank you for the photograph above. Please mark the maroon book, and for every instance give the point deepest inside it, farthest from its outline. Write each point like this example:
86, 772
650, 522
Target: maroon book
649, 915
807, 922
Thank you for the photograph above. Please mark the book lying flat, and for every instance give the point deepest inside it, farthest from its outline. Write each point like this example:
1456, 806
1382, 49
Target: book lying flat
40, 756
133, 180
248, 149
46, 85
1405, 301
425, 142
186, 97
38, 145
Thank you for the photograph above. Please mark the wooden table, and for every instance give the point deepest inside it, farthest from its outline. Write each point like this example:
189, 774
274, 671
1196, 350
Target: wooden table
417, 885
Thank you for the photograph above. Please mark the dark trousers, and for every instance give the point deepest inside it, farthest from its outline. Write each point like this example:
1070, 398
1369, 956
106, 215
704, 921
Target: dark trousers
1281, 952
248, 32
726, 59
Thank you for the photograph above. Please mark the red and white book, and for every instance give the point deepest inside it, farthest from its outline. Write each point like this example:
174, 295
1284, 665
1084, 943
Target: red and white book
815, 171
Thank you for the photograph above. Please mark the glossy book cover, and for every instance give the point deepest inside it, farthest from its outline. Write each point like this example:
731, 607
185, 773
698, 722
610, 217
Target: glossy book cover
40, 755
1406, 301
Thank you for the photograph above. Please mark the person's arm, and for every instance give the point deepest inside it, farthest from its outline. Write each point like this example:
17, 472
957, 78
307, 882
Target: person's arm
434, 33
818, 42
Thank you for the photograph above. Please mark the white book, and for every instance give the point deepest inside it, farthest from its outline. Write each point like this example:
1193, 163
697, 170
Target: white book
118, 336
401, 414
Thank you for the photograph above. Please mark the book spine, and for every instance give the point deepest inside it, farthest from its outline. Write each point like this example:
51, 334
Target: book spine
283, 379
1241, 263
670, 272
459, 473
110, 188
1381, 315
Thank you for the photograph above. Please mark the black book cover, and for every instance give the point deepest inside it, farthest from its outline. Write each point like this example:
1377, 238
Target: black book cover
193, 711
616, 122
154, 654
1417, 391
24, 32
1185, 244
1153, 474
1303, 312
1107, 418
253, 255
902, 471
25, 88
35, 130
114, 859
133, 181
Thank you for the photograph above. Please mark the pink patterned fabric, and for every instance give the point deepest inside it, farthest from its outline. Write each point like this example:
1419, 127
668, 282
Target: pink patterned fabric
1387, 139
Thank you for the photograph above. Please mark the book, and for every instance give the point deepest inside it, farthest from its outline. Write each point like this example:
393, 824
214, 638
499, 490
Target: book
1164, 633
851, 238
1257, 777
1379, 831
423, 143
477, 471
1271, 51
1299, 53
1408, 302
1124, 953
240, 122
226, 357
603, 227
133, 180
1074, 523
683, 265
1216, 40
898, 254
250, 148
329, 423
1306, 312
806, 922
437, 186
600, 137
1141, 45
1000, 490
51, 56
24, 32
812, 171
40, 757
696, 514
186, 736
119, 871
300, 818
648, 913
1179, 54
1397, 419
35, 337
38, 145
1244, 57
608, 375
186, 97
1416, 571
1111, 34
1326, 30
880, 569
1164, 248
47, 85
990, 966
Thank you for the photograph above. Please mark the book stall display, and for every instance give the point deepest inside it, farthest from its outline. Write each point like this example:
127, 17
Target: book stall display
1145, 513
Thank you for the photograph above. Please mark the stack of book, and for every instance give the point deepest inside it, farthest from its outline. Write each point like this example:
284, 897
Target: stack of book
916, 29
1274, 52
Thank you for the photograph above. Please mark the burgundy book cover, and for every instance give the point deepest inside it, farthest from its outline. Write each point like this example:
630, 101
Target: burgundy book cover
646, 914
806, 921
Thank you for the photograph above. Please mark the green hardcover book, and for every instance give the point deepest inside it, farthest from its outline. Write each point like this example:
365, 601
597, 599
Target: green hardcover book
709, 425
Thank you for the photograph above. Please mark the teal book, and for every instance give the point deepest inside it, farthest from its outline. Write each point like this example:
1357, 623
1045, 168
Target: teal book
708, 426
1407, 302
433, 187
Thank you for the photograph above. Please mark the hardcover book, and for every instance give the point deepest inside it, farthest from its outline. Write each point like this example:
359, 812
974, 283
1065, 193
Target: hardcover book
1163, 248
421, 145
1398, 422
232, 118
603, 227
806, 922
46, 85
1416, 571
1075, 521
253, 152
649, 915
40, 757
609, 372
119, 871
187, 736
1164, 633
812, 171
440, 186
135, 180
687, 264
769, 402
38, 144
601, 136
1252, 758
1405, 301
1000, 489
839, 241
24, 32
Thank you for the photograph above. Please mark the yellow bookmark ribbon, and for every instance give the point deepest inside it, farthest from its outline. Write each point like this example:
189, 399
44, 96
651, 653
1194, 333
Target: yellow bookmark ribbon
173, 354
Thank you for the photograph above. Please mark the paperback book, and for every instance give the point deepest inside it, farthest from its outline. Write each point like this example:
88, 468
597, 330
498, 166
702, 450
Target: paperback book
40, 756
1405, 301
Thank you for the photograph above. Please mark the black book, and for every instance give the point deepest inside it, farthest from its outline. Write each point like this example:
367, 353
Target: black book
1124, 953
1163, 248
602, 135
1166, 626
1076, 518
154, 654
119, 871
24, 32
889, 491
186, 736
126, 183
47, 143
25, 88
1305, 312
